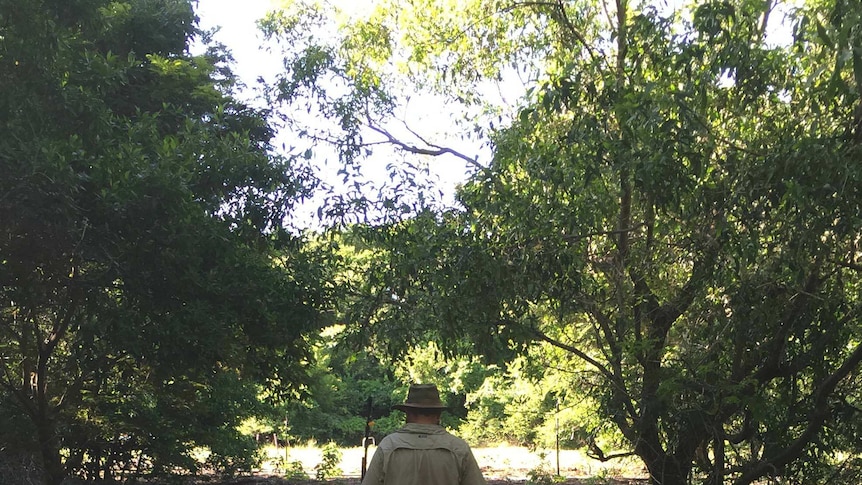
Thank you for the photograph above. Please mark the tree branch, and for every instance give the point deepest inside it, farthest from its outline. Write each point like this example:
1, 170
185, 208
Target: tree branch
771, 367
817, 416
613, 379
849, 265
593, 451
610, 337
613, 232
434, 151
558, 7
573, 350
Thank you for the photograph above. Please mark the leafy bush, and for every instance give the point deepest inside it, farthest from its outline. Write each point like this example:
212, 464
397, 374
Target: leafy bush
294, 471
328, 466
234, 454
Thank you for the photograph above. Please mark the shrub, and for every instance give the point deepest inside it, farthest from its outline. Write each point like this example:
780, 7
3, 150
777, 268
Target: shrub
328, 466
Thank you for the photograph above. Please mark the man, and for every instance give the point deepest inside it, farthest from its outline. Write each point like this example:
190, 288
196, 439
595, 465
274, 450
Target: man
422, 452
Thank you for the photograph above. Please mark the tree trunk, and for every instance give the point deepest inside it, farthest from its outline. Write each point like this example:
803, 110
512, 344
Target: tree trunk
667, 471
49, 446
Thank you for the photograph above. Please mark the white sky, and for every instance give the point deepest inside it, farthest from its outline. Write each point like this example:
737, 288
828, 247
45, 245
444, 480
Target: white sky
238, 31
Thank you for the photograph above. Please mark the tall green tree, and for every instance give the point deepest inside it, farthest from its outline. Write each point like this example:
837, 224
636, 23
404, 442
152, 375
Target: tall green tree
675, 204
148, 285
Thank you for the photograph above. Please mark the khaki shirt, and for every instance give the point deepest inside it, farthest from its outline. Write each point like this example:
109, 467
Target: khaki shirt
423, 454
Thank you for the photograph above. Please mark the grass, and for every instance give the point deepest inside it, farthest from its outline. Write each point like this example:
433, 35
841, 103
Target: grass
502, 462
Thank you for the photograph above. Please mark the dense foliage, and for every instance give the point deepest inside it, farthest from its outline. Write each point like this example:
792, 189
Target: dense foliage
674, 205
148, 288
656, 252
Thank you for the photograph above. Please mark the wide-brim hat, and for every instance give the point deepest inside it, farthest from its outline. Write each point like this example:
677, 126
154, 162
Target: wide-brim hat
422, 396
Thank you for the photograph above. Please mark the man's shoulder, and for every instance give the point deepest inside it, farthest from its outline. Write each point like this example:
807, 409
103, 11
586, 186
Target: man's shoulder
455, 439
411, 435
422, 429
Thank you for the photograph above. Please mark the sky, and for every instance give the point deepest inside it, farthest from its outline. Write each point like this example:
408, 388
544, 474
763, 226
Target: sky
236, 21
237, 30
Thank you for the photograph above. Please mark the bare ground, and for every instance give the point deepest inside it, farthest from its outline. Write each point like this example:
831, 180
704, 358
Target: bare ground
504, 465
500, 466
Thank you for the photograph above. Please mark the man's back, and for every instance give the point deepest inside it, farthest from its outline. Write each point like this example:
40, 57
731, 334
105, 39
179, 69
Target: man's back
423, 454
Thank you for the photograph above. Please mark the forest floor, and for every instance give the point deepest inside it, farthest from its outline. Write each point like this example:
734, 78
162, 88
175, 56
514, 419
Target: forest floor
503, 465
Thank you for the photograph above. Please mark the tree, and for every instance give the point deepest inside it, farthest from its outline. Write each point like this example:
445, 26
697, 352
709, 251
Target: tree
675, 205
334, 407
148, 285
348, 89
